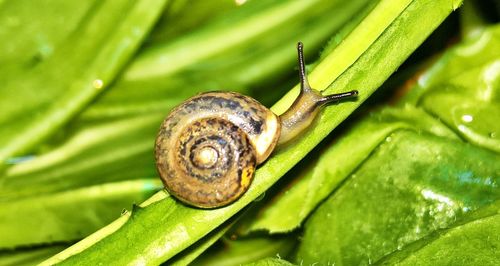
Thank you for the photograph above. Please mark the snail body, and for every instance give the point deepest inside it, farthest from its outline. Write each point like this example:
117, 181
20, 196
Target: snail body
208, 147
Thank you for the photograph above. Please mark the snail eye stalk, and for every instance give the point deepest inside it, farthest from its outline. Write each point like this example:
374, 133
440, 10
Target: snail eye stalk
307, 105
305, 87
304, 83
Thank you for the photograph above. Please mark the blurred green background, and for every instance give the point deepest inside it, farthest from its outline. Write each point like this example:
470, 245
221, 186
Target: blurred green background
410, 177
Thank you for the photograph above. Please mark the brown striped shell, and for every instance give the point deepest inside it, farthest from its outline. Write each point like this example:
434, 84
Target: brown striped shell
208, 147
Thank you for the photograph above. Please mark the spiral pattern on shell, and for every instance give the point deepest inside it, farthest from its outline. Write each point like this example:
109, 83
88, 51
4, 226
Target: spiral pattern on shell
208, 147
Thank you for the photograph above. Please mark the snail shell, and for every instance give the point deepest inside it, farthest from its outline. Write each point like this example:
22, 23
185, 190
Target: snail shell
208, 147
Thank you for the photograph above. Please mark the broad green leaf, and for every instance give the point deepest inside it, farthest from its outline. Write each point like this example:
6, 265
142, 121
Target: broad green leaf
29, 256
412, 185
474, 242
68, 215
462, 89
246, 250
474, 51
60, 86
469, 104
365, 58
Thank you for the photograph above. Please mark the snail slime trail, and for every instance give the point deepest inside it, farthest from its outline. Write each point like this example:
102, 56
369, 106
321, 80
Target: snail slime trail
208, 147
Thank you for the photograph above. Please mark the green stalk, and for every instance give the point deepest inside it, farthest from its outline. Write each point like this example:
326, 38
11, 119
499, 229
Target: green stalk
190, 254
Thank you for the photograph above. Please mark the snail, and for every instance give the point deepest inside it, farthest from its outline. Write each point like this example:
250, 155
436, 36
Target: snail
208, 147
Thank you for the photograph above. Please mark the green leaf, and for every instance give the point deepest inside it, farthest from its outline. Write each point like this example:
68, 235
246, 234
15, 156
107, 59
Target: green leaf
93, 155
411, 185
474, 102
233, 30
73, 75
184, 16
246, 250
364, 60
270, 262
28, 257
29, 43
474, 242
69, 215
474, 51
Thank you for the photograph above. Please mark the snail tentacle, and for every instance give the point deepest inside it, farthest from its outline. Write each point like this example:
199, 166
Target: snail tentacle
338, 96
307, 105
304, 83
